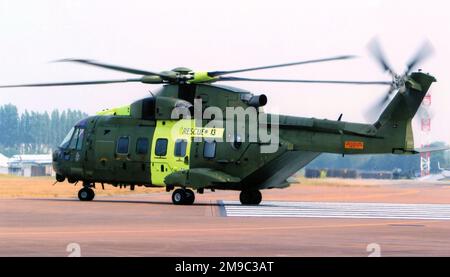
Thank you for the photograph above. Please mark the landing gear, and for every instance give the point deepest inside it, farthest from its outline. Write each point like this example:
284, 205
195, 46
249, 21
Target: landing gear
60, 178
86, 194
250, 197
183, 197
190, 197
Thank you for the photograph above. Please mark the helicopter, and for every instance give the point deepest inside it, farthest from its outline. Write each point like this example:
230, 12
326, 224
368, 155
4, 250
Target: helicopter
144, 144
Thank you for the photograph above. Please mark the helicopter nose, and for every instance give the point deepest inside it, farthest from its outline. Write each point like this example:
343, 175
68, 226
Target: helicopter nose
55, 155
56, 158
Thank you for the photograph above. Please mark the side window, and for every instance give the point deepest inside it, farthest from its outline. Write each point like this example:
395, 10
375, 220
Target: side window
142, 146
209, 150
180, 148
161, 147
76, 142
122, 145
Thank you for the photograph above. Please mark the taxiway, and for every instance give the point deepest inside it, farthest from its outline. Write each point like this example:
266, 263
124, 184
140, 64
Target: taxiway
403, 218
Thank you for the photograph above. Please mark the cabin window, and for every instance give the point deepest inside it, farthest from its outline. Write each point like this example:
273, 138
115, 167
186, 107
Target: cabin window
209, 150
122, 145
180, 148
142, 146
161, 147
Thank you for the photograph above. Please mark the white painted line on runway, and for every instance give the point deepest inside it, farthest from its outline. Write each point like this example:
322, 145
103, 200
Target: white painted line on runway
338, 210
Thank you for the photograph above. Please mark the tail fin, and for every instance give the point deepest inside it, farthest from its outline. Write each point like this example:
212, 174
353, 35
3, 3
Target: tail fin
394, 123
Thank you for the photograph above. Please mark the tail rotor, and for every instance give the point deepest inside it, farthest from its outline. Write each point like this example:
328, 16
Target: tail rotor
398, 80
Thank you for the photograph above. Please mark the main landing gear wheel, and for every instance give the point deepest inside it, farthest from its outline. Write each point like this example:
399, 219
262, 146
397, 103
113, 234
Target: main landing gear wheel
250, 197
190, 197
86, 194
183, 197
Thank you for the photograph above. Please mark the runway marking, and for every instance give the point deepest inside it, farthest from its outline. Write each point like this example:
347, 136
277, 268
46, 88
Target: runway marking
339, 210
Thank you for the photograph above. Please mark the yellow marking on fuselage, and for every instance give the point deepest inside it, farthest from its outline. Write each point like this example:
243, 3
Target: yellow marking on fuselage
161, 166
124, 110
174, 130
201, 132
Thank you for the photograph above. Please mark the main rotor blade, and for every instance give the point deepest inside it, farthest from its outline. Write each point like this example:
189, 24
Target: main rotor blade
219, 73
73, 83
305, 81
116, 67
424, 52
377, 53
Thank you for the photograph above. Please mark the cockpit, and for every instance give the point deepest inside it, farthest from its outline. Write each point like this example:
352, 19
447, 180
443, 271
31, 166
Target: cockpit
69, 151
74, 139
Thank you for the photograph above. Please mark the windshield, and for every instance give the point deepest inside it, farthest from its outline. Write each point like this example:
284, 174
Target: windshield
66, 140
74, 139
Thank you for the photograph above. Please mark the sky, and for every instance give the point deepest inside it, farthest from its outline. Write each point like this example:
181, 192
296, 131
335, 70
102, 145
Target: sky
223, 35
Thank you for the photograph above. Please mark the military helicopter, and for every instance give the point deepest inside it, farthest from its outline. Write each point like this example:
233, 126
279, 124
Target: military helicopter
142, 144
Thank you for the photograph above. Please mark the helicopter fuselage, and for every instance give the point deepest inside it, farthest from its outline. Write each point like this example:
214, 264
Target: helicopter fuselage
147, 147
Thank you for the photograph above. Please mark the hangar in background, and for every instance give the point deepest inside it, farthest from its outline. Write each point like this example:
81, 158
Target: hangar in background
30, 165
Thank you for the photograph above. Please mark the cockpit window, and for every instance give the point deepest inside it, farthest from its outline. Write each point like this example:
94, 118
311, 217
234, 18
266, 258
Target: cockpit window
80, 139
74, 139
82, 123
66, 140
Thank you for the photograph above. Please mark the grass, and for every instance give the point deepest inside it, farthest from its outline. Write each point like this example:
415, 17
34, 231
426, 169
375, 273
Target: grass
42, 187
37, 187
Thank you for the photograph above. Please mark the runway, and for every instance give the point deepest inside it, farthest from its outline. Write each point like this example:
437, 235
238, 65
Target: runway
403, 219
339, 210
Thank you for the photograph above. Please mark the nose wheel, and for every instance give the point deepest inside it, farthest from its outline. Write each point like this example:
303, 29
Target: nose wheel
86, 194
250, 197
183, 197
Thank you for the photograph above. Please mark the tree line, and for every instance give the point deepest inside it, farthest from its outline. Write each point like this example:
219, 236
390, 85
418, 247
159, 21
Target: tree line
407, 164
34, 132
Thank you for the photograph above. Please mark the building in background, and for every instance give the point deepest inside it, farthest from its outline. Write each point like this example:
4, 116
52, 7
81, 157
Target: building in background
3, 164
348, 173
31, 165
